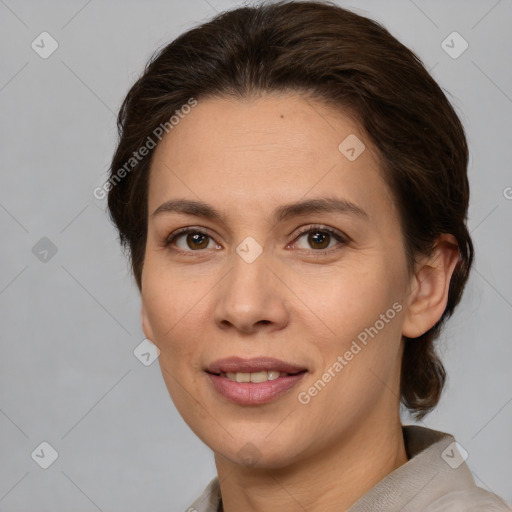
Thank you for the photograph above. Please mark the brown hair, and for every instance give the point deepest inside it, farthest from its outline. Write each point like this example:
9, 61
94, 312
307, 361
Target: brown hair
342, 59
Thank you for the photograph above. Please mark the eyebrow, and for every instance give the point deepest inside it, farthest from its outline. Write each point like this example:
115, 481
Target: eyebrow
281, 213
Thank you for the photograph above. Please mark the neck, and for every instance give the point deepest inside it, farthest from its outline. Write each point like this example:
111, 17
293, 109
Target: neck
333, 479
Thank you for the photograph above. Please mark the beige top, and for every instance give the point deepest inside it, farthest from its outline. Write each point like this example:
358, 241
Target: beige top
434, 479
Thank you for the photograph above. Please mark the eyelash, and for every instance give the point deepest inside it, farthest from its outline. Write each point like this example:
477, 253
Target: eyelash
338, 236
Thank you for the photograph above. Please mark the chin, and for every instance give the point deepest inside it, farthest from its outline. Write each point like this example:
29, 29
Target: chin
257, 450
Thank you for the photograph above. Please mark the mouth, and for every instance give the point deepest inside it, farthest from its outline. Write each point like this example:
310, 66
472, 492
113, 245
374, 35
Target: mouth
253, 381
253, 365
256, 377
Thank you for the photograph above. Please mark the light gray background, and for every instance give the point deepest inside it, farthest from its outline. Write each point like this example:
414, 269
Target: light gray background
69, 325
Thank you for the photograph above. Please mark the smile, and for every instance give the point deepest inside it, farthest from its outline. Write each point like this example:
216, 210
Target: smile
256, 377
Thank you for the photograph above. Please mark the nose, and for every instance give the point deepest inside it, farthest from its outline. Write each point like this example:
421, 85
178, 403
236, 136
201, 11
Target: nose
251, 297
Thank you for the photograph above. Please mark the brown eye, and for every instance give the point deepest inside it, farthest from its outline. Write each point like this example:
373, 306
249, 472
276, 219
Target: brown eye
189, 240
318, 239
197, 240
321, 240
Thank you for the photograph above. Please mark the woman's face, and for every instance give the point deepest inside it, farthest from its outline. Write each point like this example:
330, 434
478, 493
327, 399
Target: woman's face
321, 291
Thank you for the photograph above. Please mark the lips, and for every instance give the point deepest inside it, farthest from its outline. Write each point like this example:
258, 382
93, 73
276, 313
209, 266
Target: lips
259, 364
234, 379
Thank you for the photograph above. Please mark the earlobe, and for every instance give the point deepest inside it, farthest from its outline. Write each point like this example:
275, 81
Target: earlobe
429, 289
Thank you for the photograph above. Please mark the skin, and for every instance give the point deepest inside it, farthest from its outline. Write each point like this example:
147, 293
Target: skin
294, 302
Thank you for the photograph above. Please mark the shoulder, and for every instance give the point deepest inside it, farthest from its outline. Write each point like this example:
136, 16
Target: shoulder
436, 478
469, 500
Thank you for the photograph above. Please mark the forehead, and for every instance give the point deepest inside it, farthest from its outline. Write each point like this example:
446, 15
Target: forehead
265, 151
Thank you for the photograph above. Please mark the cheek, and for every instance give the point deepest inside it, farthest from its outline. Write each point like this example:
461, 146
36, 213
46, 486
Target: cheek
169, 299
362, 311
171, 313
174, 315
350, 298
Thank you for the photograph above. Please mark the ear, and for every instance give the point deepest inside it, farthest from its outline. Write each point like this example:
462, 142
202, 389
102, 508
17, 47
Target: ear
146, 326
429, 288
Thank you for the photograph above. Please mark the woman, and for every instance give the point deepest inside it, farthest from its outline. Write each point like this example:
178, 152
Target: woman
291, 186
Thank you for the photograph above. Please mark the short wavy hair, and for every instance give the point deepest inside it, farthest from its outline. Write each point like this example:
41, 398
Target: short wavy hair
349, 62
